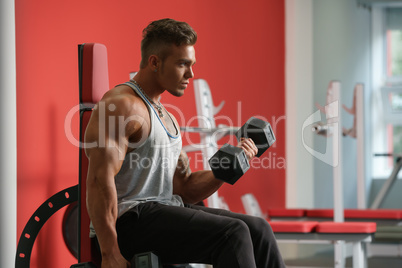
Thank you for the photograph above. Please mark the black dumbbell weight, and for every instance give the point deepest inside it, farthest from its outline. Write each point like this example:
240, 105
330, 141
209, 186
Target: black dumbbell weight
260, 132
141, 260
230, 163
83, 265
146, 260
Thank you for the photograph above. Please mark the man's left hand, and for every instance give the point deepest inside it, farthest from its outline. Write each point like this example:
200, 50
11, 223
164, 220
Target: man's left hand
249, 147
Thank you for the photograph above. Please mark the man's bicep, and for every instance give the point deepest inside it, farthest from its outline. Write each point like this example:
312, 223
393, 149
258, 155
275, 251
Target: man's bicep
105, 156
105, 144
104, 163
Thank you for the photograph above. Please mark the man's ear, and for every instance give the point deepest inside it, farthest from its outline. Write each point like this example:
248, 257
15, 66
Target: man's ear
153, 62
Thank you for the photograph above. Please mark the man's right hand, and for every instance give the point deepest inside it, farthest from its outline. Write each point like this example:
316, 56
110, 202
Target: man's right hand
115, 261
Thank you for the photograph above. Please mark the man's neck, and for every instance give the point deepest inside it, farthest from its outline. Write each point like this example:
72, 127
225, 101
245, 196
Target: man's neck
148, 83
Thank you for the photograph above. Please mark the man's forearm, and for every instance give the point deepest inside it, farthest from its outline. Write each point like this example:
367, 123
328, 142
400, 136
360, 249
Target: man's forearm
200, 185
102, 209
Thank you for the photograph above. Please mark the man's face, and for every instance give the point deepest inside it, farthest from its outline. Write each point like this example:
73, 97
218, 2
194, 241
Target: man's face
176, 70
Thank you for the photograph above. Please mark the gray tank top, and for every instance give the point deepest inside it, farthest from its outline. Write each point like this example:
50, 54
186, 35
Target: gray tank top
147, 172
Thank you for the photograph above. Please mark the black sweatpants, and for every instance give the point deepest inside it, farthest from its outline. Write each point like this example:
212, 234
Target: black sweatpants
196, 234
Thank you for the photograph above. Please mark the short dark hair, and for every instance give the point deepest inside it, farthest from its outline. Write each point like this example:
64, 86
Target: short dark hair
160, 34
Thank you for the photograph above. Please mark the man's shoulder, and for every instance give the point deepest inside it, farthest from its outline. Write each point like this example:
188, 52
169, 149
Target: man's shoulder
126, 109
123, 100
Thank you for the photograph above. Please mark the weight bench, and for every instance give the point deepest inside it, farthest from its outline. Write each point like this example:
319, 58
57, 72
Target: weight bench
380, 216
286, 214
314, 232
387, 240
93, 84
291, 226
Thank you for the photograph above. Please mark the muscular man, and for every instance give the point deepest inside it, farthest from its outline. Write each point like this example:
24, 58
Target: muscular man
140, 189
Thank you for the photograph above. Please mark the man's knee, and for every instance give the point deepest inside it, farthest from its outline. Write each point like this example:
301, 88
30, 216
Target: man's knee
260, 227
239, 231
262, 224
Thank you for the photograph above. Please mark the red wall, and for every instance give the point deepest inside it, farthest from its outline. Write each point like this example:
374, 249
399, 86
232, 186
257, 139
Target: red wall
240, 53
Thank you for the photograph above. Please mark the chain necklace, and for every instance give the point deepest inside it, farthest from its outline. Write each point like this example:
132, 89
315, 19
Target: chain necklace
158, 107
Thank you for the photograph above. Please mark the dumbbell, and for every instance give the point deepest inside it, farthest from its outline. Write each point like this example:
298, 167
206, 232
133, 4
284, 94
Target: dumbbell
83, 265
141, 260
146, 260
230, 163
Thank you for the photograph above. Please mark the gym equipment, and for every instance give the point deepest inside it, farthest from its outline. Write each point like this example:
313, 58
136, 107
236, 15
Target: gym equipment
206, 110
230, 162
220, 128
392, 114
93, 84
333, 115
70, 228
357, 132
389, 182
146, 260
83, 265
309, 231
251, 206
337, 233
142, 260
260, 132
38, 219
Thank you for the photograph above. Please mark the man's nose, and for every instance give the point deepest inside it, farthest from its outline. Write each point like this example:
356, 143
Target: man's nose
190, 73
